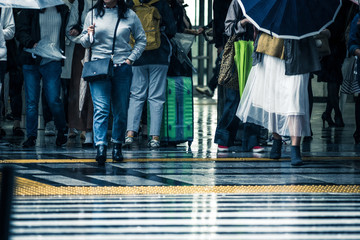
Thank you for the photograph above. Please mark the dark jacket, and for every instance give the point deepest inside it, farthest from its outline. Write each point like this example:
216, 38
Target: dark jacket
220, 8
28, 32
331, 64
301, 56
161, 55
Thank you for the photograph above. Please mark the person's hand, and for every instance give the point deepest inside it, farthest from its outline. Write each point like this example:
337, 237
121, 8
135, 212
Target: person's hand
128, 62
358, 22
326, 32
35, 45
244, 22
91, 29
357, 52
200, 31
74, 32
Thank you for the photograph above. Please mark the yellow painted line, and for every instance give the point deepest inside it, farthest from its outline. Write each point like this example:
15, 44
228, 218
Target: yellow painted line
173, 160
26, 187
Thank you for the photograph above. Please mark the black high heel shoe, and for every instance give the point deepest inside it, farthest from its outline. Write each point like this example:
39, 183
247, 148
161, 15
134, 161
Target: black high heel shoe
339, 122
357, 137
327, 117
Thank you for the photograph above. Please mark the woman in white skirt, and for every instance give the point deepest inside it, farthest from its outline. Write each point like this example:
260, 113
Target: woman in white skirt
276, 95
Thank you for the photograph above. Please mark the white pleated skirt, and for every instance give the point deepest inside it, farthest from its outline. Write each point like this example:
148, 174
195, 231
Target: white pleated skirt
276, 101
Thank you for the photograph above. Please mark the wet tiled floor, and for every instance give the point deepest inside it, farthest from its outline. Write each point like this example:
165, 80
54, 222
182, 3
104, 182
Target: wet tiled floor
187, 192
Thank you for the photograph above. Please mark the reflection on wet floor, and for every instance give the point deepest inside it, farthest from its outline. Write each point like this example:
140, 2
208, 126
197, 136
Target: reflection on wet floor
188, 191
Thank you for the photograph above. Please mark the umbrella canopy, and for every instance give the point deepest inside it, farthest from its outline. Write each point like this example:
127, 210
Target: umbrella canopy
46, 49
355, 1
291, 19
38, 4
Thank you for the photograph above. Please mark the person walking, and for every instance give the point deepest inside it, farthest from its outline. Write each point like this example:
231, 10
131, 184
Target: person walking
236, 24
46, 25
276, 92
331, 65
112, 93
8, 29
79, 120
149, 80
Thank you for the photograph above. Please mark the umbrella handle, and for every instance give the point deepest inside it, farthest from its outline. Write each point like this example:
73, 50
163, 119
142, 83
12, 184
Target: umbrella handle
91, 36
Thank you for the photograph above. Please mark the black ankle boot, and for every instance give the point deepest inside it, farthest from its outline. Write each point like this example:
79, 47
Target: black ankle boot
327, 117
296, 156
275, 152
101, 155
116, 153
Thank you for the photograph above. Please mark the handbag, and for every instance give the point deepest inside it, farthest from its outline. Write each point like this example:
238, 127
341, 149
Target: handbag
228, 71
100, 68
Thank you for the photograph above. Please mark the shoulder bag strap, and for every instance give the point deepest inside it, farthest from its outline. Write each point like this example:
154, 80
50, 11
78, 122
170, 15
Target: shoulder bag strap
114, 39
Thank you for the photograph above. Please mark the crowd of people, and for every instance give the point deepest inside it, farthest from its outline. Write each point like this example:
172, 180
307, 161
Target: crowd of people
83, 30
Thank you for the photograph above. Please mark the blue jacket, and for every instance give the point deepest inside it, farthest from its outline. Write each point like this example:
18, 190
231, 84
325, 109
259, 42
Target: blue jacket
354, 36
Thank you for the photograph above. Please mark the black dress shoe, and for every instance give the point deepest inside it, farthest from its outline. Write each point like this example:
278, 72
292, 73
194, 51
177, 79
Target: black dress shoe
17, 131
61, 138
30, 142
116, 153
101, 155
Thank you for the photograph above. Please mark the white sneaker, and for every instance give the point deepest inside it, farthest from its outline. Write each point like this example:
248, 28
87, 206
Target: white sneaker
50, 129
129, 140
153, 143
205, 90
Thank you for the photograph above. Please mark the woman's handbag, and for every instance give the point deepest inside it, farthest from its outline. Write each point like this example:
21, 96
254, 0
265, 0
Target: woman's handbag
236, 63
100, 68
227, 68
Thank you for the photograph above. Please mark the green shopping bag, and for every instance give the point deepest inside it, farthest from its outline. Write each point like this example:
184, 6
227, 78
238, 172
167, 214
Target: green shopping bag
243, 61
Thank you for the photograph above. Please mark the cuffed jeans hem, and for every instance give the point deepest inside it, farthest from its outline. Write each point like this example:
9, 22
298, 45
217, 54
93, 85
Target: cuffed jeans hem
135, 131
117, 141
101, 143
222, 138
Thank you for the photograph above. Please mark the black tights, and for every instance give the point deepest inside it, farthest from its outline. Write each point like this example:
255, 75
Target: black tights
333, 99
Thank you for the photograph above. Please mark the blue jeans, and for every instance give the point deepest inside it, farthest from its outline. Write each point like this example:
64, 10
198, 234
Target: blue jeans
50, 74
114, 93
229, 123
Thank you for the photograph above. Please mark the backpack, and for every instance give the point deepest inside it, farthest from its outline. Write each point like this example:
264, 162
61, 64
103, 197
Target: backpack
150, 19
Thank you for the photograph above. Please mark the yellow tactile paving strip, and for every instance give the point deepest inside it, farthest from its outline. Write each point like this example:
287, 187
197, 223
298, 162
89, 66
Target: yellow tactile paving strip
26, 187
172, 160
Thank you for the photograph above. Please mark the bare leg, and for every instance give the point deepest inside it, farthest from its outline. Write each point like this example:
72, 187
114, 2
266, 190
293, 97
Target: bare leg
295, 141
